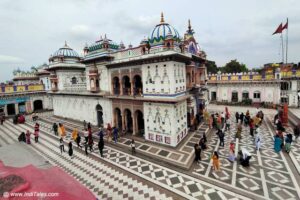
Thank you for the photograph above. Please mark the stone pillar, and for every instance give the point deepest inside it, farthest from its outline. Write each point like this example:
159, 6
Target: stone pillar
121, 88
123, 121
131, 88
134, 126
5, 110
17, 108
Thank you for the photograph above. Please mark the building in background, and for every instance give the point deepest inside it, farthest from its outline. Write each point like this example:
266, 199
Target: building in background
275, 84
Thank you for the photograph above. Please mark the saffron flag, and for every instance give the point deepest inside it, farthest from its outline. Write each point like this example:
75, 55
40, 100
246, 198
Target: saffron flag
279, 29
286, 25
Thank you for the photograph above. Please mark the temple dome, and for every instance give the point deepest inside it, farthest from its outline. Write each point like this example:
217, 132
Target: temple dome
161, 31
65, 51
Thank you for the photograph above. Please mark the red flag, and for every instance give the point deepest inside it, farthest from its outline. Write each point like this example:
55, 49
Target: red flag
279, 29
286, 25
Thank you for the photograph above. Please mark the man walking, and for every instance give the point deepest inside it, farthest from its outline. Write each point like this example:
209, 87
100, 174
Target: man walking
55, 128
101, 146
221, 137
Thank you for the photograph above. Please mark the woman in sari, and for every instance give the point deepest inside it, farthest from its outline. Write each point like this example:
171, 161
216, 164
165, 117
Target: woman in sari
277, 144
28, 137
74, 134
239, 131
206, 116
62, 130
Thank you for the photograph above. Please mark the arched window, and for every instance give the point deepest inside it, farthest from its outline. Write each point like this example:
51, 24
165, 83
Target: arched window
245, 95
74, 80
234, 96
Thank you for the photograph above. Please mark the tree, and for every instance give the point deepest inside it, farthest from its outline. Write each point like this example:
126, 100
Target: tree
234, 67
211, 67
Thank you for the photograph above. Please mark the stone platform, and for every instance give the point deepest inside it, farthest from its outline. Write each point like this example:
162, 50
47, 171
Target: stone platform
182, 156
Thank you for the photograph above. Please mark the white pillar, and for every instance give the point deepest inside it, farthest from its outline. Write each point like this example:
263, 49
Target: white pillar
17, 108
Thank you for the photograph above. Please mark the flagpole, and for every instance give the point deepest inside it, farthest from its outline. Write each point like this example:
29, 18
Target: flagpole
282, 48
287, 41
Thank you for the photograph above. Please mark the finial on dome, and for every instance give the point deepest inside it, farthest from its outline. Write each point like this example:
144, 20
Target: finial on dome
162, 20
189, 26
105, 36
66, 45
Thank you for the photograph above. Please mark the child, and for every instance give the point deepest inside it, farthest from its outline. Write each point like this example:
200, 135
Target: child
231, 156
216, 162
132, 146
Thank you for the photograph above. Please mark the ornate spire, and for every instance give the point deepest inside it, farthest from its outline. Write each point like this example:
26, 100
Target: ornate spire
189, 26
162, 20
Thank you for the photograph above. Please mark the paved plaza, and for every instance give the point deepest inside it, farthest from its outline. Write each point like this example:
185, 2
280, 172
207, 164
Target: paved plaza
119, 175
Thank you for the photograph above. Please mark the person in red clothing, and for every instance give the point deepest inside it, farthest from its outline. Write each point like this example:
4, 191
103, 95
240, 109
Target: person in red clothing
28, 137
251, 125
21, 119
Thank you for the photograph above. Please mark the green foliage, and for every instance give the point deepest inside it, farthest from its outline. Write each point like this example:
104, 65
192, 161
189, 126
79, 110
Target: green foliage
247, 101
211, 67
234, 67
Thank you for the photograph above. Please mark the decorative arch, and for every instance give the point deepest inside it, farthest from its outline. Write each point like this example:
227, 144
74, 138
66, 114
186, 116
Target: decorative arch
116, 85
38, 105
234, 96
126, 85
99, 111
137, 85
139, 125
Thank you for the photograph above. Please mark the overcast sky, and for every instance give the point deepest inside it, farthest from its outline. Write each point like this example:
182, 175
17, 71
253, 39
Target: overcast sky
31, 30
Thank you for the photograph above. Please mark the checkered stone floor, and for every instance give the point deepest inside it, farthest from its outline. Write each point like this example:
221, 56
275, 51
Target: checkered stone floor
268, 176
104, 181
178, 183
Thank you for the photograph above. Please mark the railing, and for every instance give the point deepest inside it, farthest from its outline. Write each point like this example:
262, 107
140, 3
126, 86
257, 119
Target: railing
76, 87
7, 89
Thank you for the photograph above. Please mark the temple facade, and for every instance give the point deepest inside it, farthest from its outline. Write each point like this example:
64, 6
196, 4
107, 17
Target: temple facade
275, 84
153, 90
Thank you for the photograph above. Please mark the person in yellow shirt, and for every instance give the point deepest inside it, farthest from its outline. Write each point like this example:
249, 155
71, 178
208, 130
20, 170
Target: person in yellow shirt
206, 116
61, 130
74, 134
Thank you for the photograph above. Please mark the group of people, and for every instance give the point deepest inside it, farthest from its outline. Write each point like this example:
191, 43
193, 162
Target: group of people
25, 137
221, 122
19, 119
283, 140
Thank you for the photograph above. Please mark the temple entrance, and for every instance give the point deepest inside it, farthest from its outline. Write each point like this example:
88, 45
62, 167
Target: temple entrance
38, 105
139, 123
234, 96
213, 96
22, 108
99, 115
118, 119
126, 85
116, 86
138, 85
11, 109
128, 121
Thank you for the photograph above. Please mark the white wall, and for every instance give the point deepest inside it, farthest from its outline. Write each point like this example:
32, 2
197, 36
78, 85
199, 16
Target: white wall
167, 76
165, 121
270, 92
65, 77
82, 108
